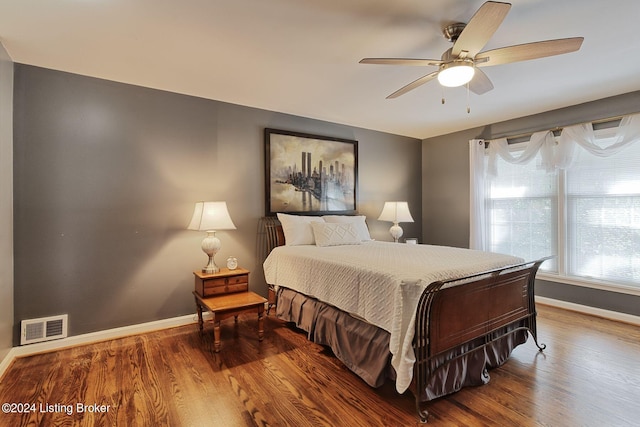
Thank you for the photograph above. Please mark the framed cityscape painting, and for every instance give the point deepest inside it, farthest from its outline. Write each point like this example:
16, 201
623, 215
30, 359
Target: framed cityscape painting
309, 174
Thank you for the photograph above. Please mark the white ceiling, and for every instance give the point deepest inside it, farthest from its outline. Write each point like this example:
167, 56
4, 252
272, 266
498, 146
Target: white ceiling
301, 56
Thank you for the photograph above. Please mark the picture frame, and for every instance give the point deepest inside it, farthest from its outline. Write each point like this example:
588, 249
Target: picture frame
309, 174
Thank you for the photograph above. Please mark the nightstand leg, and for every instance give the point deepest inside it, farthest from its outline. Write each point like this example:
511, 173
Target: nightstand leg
260, 322
200, 322
216, 335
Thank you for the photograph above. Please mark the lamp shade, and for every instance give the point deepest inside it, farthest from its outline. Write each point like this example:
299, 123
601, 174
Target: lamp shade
211, 216
396, 212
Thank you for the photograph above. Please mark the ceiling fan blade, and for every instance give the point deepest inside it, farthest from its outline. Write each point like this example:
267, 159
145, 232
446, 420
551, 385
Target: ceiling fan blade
401, 61
524, 52
414, 84
480, 28
480, 83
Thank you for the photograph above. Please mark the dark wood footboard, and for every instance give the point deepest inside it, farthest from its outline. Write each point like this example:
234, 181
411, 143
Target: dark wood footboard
476, 308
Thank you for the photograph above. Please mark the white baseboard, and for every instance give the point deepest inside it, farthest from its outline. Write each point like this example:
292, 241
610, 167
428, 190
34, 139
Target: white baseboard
83, 339
598, 312
4, 363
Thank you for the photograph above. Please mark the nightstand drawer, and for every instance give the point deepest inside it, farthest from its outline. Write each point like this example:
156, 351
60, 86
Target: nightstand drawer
236, 280
215, 282
225, 282
227, 289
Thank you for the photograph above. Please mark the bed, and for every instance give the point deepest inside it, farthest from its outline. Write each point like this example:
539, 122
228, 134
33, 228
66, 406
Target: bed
432, 319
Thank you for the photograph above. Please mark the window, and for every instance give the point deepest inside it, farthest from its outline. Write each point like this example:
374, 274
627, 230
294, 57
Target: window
522, 206
603, 216
588, 215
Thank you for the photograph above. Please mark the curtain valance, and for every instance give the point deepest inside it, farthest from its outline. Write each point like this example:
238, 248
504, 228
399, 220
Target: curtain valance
560, 155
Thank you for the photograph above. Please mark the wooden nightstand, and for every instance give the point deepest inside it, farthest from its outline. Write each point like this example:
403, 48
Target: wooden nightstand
226, 294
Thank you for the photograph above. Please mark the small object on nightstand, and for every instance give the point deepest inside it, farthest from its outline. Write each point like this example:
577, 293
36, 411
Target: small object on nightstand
411, 241
232, 263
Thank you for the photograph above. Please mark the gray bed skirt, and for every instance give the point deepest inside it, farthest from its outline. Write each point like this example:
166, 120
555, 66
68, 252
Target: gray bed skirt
364, 348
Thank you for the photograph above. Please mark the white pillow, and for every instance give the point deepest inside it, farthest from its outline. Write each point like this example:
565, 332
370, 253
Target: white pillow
359, 222
297, 229
334, 234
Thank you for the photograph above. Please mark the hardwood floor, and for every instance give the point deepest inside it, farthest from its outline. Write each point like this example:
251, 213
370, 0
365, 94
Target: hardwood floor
589, 375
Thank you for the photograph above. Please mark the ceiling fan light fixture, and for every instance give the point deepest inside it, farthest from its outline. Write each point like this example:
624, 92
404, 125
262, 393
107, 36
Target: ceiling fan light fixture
456, 74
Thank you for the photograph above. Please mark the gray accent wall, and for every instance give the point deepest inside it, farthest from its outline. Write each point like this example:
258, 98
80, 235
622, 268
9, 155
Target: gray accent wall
6, 203
105, 179
445, 189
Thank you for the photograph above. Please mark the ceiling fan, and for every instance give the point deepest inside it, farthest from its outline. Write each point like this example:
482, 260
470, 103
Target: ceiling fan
460, 65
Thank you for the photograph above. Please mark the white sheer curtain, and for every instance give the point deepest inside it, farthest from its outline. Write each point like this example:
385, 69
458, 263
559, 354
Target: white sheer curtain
584, 136
543, 142
477, 195
554, 156
561, 155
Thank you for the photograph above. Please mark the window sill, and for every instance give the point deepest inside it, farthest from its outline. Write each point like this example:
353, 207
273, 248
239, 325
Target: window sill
589, 283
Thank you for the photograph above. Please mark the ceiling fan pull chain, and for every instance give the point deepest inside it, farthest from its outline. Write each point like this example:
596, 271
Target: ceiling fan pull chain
468, 107
442, 87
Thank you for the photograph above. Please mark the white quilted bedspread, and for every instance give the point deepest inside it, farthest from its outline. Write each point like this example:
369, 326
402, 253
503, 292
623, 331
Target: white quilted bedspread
378, 281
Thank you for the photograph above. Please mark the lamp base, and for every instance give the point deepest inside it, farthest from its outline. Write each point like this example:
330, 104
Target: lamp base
211, 269
396, 232
210, 246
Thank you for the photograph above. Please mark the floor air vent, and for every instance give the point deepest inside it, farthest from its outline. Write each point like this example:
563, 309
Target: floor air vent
43, 329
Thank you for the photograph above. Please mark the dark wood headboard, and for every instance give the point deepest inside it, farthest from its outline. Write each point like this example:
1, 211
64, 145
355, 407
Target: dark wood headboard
274, 232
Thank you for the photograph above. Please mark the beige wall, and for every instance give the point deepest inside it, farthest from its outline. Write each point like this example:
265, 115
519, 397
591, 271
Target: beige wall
6, 202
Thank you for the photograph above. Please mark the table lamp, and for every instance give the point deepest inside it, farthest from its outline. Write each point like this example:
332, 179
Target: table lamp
210, 217
396, 212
